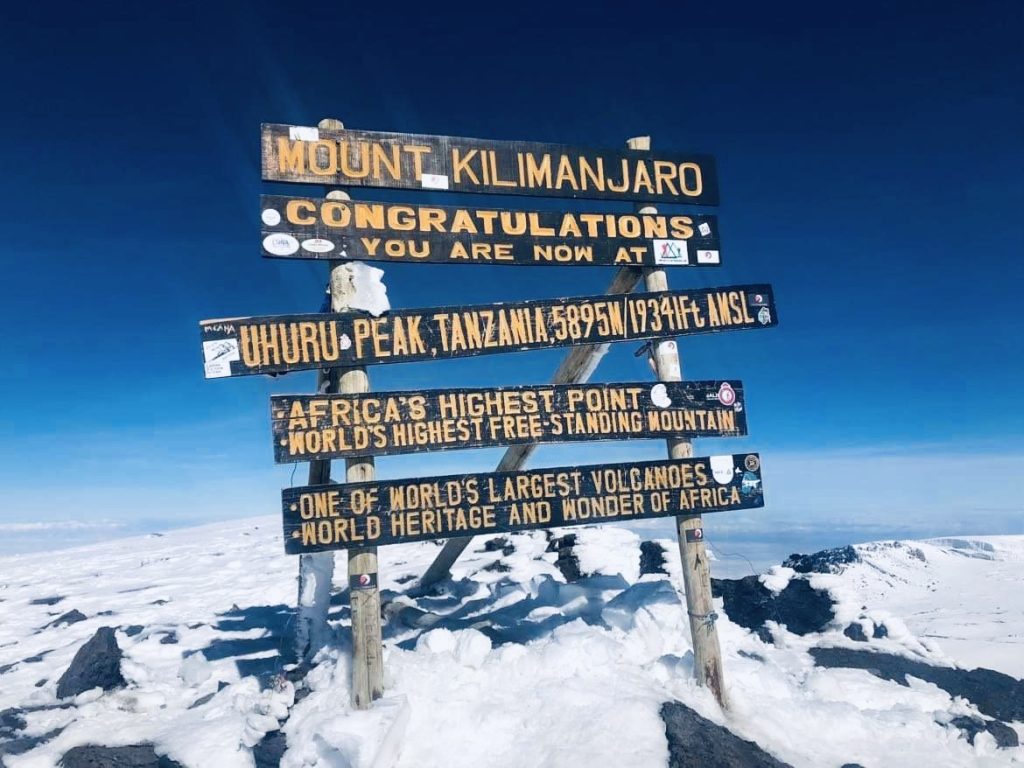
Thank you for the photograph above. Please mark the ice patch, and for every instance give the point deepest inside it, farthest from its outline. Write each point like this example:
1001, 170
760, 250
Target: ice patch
371, 295
777, 578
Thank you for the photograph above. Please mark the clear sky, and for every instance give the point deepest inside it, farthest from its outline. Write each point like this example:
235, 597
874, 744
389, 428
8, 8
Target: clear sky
870, 162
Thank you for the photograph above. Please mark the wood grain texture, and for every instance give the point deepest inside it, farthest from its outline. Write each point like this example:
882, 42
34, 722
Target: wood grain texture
276, 344
355, 158
358, 515
364, 592
690, 532
309, 228
309, 427
575, 368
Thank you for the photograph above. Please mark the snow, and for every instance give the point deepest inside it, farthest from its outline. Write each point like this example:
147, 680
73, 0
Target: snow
963, 596
777, 578
371, 295
498, 667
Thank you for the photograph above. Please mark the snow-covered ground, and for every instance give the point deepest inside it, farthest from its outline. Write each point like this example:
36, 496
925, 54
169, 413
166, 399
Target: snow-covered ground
516, 667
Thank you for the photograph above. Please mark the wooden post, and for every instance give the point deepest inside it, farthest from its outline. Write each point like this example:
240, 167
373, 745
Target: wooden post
707, 654
576, 368
364, 593
316, 570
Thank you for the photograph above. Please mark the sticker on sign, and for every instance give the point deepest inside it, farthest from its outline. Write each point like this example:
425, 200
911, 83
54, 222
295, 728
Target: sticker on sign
707, 257
670, 252
434, 181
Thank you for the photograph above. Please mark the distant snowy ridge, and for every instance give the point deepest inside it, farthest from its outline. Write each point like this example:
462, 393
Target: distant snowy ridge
507, 664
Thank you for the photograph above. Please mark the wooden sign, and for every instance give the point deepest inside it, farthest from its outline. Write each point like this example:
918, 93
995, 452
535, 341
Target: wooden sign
249, 345
308, 427
409, 161
308, 228
326, 517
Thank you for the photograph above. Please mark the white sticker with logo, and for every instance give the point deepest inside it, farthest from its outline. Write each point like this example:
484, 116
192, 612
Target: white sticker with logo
723, 469
434, 181
280, 244
221, 349
704, 228
270, 217
217, 357
317, 245
707, 257
670, 252
302, 133
659, 396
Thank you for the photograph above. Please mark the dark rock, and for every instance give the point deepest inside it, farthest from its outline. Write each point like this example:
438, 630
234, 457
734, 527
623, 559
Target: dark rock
269, 751
37, 658
7, 667
856, 632
566, 562
47, 600
879, 631
97, 664
749, 655
800, 607
500, 543
1004, 735
11, 721
71, 617
171, 638
994, 694
18, 745
498, 567
160, 601
694, 741
135, 756
652, 558
556, 543
851, 765
133, 629
825, 561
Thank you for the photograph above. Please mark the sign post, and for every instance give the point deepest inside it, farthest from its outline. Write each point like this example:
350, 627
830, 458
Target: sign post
576, 368
316, 570
707, 653
344, 420
329, 517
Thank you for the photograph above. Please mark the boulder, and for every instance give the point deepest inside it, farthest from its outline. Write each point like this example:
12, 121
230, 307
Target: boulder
825, 561
96, 665
800, 607
652, 558
696, 742
134, 756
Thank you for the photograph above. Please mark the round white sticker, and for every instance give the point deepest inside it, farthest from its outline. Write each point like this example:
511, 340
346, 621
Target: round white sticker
723, 469
317, 245
270, 217
280, 245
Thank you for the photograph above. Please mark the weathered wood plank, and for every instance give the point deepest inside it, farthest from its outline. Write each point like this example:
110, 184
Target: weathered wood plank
329, 517
307, 427
575, 368
308, 228
354, 158
252, 345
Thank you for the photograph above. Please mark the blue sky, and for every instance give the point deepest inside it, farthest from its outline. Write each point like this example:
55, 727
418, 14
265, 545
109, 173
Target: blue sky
870, 163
